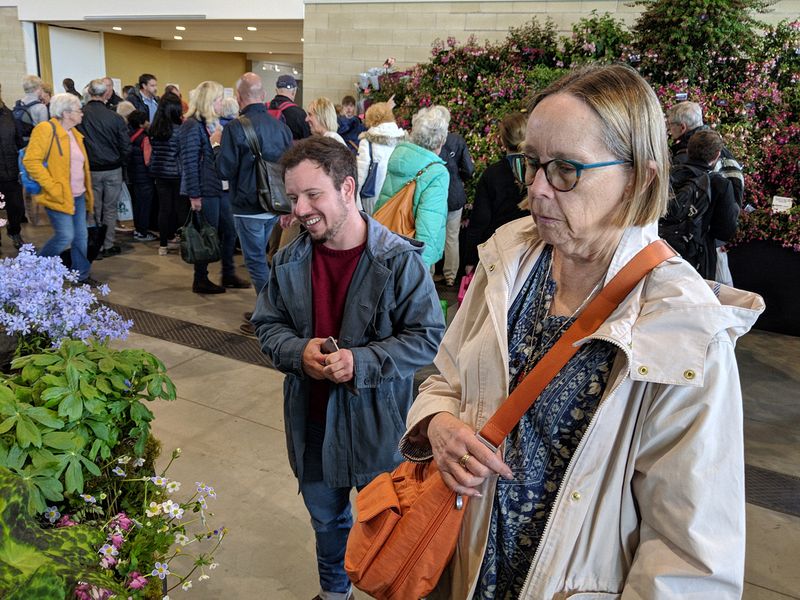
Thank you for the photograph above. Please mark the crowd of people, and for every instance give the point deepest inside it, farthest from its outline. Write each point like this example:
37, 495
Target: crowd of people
610, 482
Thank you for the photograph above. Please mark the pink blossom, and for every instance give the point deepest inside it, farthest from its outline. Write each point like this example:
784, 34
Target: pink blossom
107, 562
123, 521
65, 521
116, 540
138, 581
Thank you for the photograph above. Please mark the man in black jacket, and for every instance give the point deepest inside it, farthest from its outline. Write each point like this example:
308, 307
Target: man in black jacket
284, 109
236, 163
144, 98
717, 214
10, 143
108, 146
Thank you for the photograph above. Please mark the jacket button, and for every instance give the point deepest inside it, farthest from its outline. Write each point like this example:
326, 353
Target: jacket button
576, 496
491, 267
689, 374
643, 370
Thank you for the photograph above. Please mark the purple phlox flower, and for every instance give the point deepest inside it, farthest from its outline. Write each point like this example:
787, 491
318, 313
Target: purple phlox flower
118, 471
52, 514
108, 550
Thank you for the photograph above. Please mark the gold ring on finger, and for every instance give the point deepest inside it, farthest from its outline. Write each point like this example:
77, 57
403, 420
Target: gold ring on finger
464, 460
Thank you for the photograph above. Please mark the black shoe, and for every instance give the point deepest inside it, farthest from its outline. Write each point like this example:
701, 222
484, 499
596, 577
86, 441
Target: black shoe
236, 282
207, 287
17, 240
248, 329
111, 251
92, 283
247, 316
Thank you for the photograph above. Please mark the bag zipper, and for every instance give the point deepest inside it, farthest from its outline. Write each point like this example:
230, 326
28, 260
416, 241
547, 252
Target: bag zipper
575, 455
412, 559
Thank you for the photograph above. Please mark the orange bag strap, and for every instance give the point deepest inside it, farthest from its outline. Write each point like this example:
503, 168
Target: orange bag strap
599, 309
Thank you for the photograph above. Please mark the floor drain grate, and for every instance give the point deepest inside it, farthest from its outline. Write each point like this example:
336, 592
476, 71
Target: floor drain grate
216, 341
772, 490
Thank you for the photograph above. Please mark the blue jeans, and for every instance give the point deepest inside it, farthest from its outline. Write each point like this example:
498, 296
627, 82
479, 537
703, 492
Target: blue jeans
217, 211
69, 231
331, 520
254, 236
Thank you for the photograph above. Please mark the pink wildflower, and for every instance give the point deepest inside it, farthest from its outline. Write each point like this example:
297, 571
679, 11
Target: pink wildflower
116, 540
138, 581
65, 521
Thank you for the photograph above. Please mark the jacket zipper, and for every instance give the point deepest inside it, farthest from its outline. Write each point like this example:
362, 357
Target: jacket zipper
575, 455
412, 559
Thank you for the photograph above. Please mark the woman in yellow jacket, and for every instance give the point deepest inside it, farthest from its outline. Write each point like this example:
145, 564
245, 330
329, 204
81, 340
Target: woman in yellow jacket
65, 180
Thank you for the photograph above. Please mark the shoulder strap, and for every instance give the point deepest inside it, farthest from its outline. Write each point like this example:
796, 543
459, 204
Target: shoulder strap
53, 139
250, 136
598, 310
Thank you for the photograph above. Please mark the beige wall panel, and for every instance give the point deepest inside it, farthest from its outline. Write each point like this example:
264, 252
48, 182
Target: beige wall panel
128, 57
12, 56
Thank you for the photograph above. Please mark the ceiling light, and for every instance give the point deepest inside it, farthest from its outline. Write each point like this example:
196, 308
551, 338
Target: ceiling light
263, 67
238, 38
294, 71
302, 39
180, 27
117, 28
270, 51
277, 69
177, 37
251, 28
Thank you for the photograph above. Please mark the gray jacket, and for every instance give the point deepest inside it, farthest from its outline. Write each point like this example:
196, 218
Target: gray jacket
393, 325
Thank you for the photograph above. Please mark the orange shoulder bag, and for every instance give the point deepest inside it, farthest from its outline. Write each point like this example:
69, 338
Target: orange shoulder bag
408, 521
397, 214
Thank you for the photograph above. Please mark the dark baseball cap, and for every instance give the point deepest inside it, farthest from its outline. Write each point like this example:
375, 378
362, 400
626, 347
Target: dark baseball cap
287, 82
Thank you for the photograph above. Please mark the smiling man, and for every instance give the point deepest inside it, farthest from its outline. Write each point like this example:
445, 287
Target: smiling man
350, 278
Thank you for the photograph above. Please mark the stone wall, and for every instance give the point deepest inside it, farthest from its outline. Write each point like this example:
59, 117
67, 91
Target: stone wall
346, 38
12, 55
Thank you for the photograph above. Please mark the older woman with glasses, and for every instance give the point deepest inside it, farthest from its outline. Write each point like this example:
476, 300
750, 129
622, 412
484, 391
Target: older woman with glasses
56, 159
625, 477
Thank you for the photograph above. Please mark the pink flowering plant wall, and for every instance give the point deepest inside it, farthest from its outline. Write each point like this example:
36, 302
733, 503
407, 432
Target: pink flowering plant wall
85, 513
744, 74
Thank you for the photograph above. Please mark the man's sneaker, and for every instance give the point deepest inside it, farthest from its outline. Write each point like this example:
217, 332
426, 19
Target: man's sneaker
143, 237
92, 283
162, 250
248, 329
207, 287
17, 240
236, 282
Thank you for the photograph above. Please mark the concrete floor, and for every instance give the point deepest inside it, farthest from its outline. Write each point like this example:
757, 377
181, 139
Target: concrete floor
228, 422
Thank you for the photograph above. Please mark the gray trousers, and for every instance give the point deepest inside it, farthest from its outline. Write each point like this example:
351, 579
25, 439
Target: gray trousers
106, 186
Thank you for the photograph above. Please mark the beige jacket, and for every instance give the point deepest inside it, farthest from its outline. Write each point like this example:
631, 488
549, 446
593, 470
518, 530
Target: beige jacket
652, 504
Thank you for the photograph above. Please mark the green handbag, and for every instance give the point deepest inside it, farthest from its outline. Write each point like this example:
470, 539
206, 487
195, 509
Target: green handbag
199, 240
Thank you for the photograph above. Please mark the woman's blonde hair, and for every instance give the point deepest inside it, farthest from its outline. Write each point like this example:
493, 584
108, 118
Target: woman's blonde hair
512, 131
325, 112
201, 101
380, 112
632, 129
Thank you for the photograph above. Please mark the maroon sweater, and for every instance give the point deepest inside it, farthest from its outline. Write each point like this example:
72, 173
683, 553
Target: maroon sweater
331, 274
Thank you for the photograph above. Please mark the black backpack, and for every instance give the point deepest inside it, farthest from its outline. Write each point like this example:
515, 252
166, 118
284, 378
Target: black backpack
683, 225
23, 118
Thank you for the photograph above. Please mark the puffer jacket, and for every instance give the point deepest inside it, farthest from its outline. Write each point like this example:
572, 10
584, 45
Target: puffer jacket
10, 143
461, 168
199, 177
383, 139
55, 177
164, 161
652, 504
430, 197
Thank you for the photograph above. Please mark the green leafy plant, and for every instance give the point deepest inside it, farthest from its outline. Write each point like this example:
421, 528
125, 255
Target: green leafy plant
38, 562
67, 408
596, 38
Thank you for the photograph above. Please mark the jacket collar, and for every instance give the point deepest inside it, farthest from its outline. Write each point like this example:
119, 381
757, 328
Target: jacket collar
664, 326
256, 107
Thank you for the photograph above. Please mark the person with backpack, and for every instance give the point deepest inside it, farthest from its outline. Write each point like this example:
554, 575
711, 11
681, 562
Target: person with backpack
10, 190
56, 159
29, 110
283, 108
108, 147
703, 206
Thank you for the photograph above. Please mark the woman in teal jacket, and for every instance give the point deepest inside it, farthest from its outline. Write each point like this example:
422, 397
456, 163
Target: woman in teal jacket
428, 134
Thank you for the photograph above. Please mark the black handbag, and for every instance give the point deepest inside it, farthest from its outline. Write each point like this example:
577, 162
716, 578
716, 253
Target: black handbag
368, 189
270, 191
199, 240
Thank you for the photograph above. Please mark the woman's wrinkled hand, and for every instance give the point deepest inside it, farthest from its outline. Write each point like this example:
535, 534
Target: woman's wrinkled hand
464, 461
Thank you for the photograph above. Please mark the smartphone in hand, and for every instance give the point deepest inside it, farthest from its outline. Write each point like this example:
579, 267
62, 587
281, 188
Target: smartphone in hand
329, 346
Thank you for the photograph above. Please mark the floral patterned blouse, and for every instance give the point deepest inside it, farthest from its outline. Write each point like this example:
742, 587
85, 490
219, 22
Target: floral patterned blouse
539, 449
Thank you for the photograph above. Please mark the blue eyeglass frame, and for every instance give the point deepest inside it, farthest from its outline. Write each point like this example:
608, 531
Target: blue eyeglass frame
579, 168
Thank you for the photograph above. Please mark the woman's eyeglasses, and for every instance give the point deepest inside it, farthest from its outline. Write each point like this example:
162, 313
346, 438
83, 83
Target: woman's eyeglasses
561, 173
